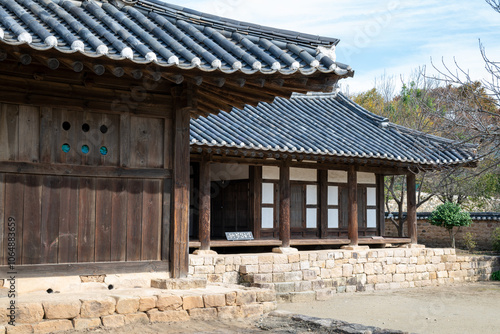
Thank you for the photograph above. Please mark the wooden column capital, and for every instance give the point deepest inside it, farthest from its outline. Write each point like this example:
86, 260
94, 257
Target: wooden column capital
352, 179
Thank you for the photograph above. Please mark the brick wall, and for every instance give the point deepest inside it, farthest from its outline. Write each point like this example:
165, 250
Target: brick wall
435, 236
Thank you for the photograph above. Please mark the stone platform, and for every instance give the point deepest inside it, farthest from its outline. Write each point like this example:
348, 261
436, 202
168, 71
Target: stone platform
47, 313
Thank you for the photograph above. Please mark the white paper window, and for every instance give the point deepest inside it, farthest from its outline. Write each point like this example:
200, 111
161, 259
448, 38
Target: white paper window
371, 218
312, 218
267, 217
333, 218
311, 194
371, 196
333, 195
267, 193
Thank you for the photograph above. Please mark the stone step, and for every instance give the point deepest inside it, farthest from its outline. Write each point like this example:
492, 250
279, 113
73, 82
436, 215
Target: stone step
296, 297
179, 283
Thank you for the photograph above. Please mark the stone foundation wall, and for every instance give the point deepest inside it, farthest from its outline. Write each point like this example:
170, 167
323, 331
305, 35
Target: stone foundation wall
435, 236
318, 275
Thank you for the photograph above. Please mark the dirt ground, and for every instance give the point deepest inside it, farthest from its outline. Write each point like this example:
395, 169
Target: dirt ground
468, 308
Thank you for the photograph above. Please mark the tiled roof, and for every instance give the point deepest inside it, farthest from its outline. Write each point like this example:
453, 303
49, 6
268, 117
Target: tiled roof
152, 31
328, 125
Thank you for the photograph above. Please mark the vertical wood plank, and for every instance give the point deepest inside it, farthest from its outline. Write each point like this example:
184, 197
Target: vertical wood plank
134, 220
166, 219
124, 139
29, 134
256, 199
146, 143
14, 209
151, 220
155, 144
119, 220
380, 204
103, 220
180, 206
32, 219
352, 180
47, 135
3, 245
9, 132
51, 201
168, 144
86, 219
323, 202
204, 206
68, 221
109, 132
69, 136
285, 197
412, 207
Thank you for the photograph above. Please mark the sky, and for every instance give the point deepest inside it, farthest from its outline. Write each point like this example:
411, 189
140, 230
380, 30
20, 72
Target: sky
381, 37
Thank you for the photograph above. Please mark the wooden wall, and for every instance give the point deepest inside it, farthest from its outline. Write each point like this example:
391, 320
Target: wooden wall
63, 218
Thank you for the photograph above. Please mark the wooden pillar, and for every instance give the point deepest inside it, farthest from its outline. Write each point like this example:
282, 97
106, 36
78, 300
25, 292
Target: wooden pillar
256, 200
179, 241
412, 207
204, 206
323, 202
352, 179
381, 204
284, 205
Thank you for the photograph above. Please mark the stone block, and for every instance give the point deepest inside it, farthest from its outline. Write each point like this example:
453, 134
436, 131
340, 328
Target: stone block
318, 284
29, 313
220, 269
208, 260
86, 323
206, 269
280, 258
282, 268
358, 269
147, 303
265, 295
127, 304
196, 260
229, 312
205, 314
351, 288
266, 268
309, 275
293, 276
113, 321
245, 297
231, 298
214, 278
266, 259
215, 300
19, 329
51, 326
168, 316
252, 310
169, 302
189, 302
325, 273
61, 310
398, 277
230, 277
97, 307
249, 260
442, 274
136, 318
278, 277
325, 294
249, 269
284, 287
269, 306
382, 286
293, 258
303, 286
302, 297
305, 265
347, 270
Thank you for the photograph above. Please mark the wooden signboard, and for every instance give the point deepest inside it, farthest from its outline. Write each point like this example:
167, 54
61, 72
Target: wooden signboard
239, 236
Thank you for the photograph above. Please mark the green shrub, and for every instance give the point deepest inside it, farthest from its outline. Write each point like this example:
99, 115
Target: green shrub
496, 239
450, 215
469, 241
495, 276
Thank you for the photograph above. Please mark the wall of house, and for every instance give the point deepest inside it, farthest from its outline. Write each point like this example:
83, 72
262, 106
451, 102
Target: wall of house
435, 236
83, 186
318, 275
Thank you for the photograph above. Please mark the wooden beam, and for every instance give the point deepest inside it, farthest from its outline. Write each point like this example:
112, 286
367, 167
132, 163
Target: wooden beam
412, 207
256, 199
179, 253
204, 206
352, 184
323, 202
380, 204
284, 205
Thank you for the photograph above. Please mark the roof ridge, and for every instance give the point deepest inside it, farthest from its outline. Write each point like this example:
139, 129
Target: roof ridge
228, 24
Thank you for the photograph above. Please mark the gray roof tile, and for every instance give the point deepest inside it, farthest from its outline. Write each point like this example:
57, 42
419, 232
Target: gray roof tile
326, 125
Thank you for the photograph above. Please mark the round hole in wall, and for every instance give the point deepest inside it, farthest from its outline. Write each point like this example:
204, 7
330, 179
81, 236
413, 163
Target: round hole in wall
104, 128
49, 290
103, 150
110, 287
85, 149
66, 126
65, 147
85, 127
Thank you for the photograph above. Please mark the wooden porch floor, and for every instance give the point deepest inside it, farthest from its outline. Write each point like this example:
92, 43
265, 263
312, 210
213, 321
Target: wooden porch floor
302, 242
